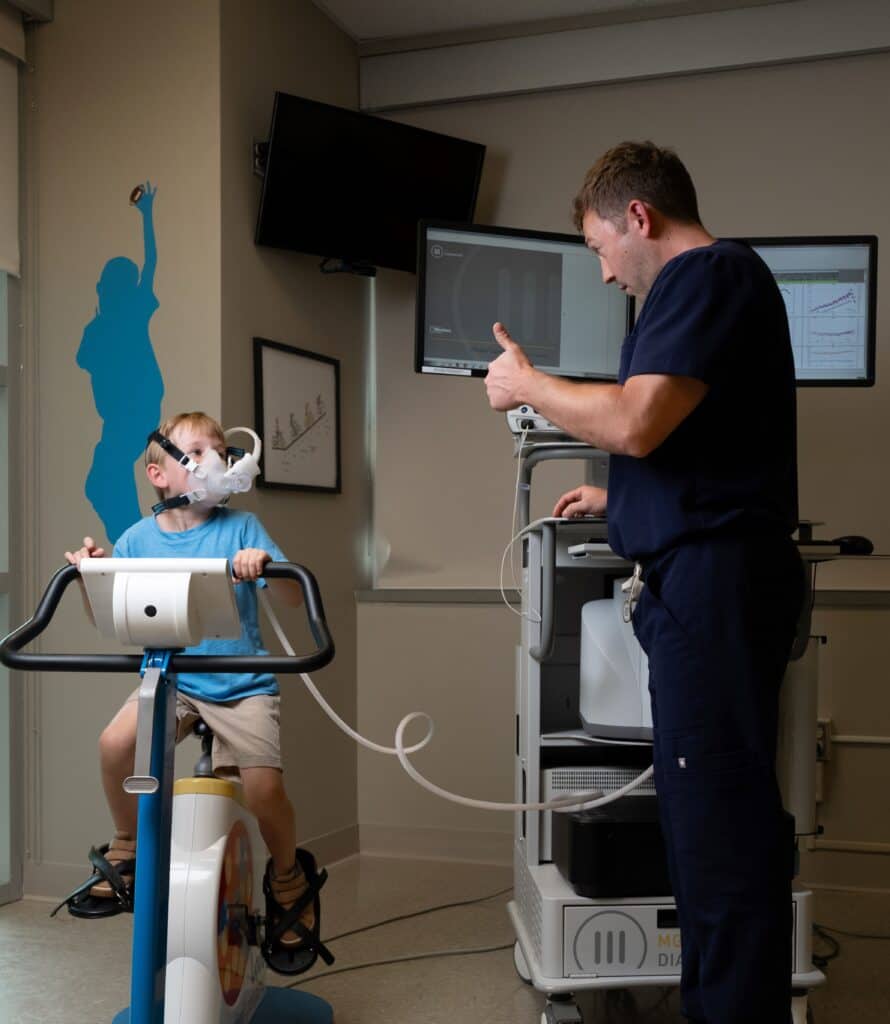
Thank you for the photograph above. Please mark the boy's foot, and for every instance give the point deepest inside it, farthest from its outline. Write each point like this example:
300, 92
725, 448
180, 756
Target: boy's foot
293, 916
286, 890
109, 890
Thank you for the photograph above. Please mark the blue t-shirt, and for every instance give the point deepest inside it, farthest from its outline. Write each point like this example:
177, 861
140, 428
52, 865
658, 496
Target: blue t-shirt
222, 535
716, 314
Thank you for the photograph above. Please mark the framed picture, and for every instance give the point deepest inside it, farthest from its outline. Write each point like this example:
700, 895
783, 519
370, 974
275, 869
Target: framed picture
297, 396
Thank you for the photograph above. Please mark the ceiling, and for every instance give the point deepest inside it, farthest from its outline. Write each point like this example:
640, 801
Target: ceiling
465, 20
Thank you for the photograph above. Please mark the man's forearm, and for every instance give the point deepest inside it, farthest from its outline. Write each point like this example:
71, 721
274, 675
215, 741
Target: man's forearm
590, 412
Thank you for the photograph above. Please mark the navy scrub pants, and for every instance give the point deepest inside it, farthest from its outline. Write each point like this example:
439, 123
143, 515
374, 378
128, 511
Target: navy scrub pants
717, 618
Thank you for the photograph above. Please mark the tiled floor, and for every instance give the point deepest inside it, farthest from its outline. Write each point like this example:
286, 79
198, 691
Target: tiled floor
64, 971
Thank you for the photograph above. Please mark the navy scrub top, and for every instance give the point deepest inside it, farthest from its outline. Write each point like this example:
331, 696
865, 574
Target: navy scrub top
716, 314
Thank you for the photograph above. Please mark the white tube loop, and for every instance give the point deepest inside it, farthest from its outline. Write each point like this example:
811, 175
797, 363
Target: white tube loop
580, 801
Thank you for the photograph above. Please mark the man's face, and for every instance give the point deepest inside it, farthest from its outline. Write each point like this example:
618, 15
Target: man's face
621, 253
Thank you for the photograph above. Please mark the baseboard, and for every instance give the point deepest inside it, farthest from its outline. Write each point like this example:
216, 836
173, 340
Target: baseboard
854, 890
51, 882
845, 871
333, 846
436, 844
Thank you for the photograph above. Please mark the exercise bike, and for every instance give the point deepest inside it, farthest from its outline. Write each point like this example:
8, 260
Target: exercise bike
199, 924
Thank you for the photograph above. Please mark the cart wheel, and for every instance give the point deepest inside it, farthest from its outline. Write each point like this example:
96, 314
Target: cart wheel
520, 963
561, 1010
801, 1013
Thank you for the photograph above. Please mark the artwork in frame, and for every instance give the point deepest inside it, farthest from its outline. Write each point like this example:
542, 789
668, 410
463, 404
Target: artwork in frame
297, 396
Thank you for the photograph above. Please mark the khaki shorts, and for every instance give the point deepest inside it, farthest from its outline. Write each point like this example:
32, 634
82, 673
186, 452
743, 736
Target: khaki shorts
245, 732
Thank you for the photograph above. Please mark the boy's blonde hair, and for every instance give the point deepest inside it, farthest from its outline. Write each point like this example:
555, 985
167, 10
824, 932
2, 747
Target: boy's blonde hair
197, 421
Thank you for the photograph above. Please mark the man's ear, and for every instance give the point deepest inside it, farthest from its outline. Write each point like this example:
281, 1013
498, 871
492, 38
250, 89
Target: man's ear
640, 215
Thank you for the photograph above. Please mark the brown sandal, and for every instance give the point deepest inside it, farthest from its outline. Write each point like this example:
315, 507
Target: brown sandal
109, 890
293, 916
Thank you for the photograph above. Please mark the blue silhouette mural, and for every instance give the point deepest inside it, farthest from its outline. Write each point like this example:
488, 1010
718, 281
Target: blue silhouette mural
116, 351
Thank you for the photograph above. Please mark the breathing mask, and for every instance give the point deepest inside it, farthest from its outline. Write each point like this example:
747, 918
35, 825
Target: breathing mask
215, 479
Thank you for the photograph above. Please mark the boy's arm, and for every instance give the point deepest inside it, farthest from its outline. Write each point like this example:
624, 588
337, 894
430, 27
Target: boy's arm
89, 550
248, 565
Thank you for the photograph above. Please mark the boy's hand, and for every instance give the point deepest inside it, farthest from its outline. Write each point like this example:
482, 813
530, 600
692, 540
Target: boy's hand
89, 550
248, 564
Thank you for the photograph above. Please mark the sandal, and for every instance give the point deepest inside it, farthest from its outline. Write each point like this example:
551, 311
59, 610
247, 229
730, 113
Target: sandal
109, 890
290, 947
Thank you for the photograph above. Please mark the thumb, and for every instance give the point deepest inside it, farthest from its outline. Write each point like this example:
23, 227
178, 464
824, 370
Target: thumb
502, 337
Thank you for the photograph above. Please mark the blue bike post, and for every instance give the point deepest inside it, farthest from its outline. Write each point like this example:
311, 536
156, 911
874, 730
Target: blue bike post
153, 782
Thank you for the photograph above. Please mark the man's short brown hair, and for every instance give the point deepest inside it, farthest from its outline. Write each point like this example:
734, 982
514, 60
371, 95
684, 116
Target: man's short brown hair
637, 170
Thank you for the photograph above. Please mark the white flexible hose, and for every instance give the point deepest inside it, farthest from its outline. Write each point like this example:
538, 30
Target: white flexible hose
580, 801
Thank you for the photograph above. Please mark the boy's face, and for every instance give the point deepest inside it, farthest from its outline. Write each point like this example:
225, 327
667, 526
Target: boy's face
195, 444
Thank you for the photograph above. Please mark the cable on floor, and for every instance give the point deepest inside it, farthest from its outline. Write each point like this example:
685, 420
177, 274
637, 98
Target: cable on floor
401, 960
418, 913
827, 935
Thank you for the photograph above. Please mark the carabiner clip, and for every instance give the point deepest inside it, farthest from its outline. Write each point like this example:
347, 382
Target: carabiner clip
632, 587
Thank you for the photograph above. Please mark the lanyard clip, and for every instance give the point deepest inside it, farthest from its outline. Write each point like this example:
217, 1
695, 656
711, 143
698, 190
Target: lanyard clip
632, 588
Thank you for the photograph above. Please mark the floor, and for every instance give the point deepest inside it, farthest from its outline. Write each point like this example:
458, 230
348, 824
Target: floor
65, 971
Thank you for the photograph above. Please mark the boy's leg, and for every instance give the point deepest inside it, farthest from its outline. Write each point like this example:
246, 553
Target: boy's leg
267, 800
109, 889
117, 750
247, 738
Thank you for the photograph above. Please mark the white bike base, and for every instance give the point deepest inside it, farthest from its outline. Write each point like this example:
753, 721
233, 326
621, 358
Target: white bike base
278, 1006
217, 862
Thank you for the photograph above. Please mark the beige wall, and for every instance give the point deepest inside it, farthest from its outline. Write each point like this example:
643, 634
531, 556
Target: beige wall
453, 662
780, 150
175, 96
283, 297
753, 141
117, 94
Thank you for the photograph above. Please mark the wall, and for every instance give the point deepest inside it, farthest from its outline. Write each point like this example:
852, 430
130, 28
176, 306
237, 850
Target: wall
282, 296
779, 150
115, 94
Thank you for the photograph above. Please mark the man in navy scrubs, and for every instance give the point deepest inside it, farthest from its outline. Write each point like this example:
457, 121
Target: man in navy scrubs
703, 497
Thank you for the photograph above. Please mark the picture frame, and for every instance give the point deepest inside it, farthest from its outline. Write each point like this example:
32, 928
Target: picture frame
297, 410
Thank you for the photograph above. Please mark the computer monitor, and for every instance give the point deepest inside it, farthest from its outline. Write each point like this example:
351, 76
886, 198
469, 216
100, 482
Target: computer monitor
829, 285
546, 289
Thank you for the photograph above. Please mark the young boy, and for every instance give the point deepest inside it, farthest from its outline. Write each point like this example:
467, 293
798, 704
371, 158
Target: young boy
242, 709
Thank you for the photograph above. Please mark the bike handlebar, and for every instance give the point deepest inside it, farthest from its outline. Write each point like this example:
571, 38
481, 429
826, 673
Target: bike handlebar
12, 657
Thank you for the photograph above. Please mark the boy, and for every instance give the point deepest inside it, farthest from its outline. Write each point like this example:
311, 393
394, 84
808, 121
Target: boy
242, 709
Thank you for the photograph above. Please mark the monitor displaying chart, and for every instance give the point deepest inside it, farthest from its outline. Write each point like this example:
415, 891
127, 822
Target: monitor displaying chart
829, 289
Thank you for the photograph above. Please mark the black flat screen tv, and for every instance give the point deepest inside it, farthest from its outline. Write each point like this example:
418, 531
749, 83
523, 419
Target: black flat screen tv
352, 187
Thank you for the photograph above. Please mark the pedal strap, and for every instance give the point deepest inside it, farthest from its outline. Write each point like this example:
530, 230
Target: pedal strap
288, 920
102, 868
112, 875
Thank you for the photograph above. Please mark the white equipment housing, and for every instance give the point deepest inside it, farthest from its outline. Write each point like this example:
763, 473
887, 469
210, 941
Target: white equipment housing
614, 683
577, 659
161, 603
213, 975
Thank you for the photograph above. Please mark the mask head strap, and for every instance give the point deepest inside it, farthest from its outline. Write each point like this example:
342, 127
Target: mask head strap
177, 502
174, 452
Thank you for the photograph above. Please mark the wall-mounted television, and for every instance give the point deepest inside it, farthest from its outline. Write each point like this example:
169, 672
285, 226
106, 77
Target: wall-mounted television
352, 187
829, 284
546, 288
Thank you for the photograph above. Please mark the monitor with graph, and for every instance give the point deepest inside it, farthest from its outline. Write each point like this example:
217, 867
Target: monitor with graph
829, 285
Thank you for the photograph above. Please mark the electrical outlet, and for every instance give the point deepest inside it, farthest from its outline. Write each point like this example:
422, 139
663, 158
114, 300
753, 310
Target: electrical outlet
823, 739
